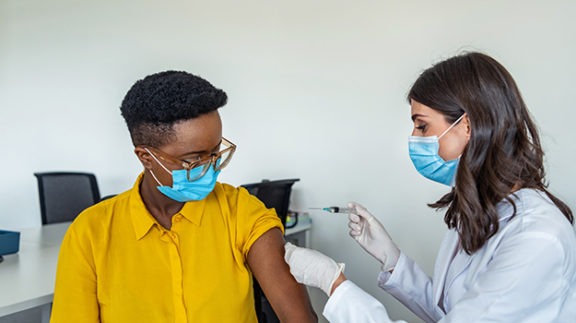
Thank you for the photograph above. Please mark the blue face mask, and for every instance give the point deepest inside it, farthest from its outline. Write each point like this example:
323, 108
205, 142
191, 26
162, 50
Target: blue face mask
424, 154
183, 190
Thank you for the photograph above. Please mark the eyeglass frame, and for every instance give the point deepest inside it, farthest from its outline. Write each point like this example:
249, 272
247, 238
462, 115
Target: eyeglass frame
206, 162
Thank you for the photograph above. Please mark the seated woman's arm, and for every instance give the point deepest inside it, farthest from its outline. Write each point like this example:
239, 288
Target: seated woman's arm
289, 299
75, 294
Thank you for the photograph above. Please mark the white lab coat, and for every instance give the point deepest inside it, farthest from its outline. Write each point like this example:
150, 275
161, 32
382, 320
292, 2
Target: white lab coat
351, 304
526, 272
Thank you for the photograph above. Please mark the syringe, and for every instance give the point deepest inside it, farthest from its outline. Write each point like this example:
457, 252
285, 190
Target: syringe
333, 209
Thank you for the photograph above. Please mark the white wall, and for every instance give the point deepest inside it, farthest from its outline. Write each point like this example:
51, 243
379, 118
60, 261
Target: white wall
316, 91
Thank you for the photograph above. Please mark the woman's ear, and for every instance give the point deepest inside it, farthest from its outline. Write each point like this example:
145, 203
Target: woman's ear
144, 157
467, 126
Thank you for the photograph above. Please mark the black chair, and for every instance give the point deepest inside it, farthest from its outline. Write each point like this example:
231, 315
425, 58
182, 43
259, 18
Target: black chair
63, 195
274, 194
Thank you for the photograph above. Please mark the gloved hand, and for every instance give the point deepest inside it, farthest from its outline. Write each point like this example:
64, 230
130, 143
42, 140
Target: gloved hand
312, 268
372, 236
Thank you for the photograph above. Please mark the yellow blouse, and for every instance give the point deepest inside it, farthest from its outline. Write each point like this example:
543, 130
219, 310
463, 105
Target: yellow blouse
117, 264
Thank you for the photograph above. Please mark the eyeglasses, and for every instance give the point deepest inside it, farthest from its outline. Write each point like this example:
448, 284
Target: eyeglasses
219, 160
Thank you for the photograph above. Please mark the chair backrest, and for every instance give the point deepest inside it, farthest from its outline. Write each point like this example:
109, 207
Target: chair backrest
63, 195
274, 194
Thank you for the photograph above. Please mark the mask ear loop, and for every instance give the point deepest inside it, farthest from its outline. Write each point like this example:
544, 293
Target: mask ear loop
452, 126
159, 163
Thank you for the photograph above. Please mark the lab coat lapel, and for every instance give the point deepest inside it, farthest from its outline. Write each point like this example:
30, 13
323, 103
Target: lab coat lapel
445, 255
459, 264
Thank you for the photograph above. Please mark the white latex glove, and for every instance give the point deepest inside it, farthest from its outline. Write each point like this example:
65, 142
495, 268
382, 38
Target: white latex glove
372, 236
312, 268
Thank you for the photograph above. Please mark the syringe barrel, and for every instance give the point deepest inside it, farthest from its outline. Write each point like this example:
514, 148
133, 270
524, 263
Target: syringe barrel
338, 209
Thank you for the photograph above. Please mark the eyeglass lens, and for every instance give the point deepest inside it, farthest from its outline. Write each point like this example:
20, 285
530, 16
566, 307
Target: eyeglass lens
223, 158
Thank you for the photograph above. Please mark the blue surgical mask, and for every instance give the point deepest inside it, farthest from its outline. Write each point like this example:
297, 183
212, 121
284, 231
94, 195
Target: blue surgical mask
183, 190
424, 154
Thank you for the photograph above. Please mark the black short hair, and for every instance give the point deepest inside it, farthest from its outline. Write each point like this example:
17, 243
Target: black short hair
155, 103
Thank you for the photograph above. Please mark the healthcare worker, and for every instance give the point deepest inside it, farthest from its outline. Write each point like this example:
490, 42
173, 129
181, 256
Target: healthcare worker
510, 252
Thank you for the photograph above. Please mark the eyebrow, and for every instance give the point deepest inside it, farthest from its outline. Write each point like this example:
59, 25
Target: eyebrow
417, 115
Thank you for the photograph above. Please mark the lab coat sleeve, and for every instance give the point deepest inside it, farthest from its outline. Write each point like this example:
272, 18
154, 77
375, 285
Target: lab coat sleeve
411, 286
349, 303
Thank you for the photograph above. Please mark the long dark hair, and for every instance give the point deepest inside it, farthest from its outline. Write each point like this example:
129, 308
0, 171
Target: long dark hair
504, 152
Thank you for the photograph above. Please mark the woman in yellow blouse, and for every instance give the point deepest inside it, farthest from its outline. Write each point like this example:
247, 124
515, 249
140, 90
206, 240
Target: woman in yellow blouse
179, 246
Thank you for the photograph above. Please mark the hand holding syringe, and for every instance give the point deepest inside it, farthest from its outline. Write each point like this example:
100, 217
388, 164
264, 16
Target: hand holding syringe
333, 209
